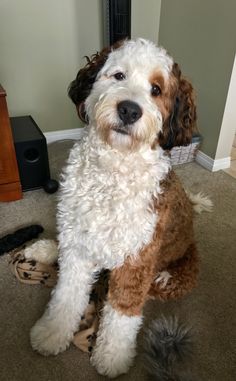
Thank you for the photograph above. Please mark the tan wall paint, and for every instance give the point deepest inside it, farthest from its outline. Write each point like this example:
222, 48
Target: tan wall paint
42, 44
145, 17
201, 35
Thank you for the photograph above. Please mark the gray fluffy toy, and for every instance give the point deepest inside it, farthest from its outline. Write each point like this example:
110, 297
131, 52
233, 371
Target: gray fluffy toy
167, 349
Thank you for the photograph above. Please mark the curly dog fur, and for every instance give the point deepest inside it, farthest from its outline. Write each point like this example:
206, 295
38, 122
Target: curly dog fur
121, 206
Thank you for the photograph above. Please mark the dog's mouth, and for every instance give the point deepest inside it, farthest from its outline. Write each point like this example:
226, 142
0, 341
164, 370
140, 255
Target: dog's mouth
121, 130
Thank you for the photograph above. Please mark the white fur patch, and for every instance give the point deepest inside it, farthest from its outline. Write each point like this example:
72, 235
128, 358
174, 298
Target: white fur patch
163, 278
116, 342
200, 202
105, 212
54, 331
140, 56
44, 251
137, 61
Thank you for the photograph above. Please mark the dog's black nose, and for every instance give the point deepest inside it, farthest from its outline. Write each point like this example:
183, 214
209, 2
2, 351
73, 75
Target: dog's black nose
129, 112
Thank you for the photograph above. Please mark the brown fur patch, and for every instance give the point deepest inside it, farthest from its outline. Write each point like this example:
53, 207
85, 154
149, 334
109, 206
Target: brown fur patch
183, 274
168, 88
172, 249
157, 78
129, 284
180, 124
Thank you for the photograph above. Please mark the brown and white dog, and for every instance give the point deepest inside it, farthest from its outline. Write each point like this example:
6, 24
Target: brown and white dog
121, 205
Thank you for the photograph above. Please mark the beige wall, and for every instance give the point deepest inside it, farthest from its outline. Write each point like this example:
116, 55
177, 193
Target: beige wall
145, 16
201, 35
42, 44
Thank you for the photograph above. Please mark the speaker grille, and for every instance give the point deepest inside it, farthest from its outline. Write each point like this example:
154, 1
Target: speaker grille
117, 20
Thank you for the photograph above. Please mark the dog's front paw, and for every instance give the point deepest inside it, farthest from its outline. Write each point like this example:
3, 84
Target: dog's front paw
115, 347
111, 361
48, 338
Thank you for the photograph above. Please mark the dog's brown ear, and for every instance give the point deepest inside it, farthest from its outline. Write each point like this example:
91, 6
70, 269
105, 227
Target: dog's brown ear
179, 127
80, 88
81, 112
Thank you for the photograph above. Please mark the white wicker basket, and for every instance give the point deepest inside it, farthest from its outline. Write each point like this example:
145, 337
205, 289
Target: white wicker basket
185, 154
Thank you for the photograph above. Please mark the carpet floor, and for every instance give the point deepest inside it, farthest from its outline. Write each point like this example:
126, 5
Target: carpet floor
210, 309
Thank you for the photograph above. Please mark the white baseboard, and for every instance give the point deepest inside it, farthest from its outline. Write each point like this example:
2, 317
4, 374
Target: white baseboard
211, 164
221, 164
73, 134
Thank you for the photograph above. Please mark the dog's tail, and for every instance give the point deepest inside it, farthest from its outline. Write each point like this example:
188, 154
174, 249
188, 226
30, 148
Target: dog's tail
200, 202
167, 346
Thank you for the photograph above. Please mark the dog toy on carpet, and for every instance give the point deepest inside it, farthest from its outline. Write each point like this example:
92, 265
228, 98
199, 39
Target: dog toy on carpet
19, 237
167, 347
167, 342
30, 271
36, 263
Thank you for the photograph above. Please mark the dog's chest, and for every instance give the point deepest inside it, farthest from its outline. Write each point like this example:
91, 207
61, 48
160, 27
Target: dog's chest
107, 204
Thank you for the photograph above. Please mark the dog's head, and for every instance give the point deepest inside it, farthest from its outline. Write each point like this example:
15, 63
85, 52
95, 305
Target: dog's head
134, 94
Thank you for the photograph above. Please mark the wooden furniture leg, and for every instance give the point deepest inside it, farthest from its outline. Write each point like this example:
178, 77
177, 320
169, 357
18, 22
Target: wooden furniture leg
10, 186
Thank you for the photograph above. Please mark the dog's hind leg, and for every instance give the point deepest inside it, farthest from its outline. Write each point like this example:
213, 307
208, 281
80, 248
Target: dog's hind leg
115, 347
54, 331
178, 278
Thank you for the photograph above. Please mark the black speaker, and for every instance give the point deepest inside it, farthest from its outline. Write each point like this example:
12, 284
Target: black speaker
31, 153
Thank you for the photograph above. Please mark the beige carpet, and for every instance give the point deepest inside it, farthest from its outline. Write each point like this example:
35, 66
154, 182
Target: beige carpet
210, 309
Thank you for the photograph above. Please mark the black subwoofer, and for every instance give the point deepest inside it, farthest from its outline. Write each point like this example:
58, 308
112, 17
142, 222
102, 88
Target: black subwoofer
31, 153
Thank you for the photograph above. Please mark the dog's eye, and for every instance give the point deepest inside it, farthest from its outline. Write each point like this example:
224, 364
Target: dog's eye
156, 90
119, 76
